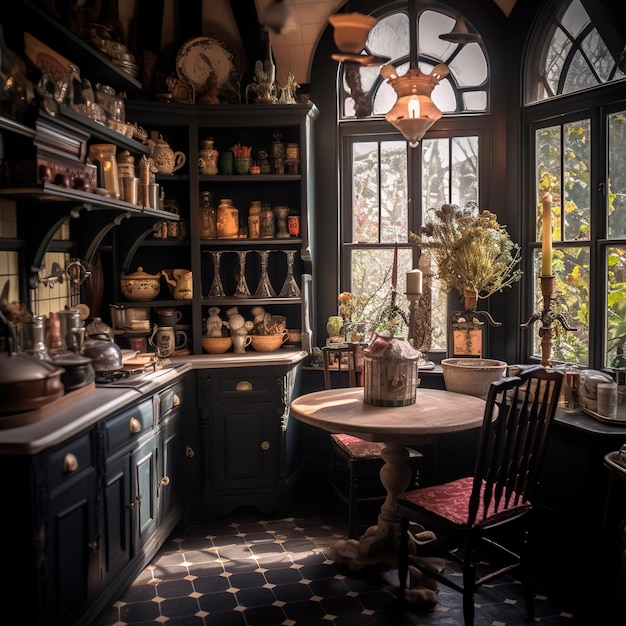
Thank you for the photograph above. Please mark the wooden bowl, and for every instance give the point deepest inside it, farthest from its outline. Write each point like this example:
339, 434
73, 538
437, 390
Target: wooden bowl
216, 345
268, 343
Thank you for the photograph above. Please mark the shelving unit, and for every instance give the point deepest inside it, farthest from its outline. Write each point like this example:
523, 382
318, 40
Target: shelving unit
184, 127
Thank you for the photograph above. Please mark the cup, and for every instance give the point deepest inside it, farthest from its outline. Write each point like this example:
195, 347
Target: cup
225, 162
240, 342
130, 189
242, 164
166, 340
168, 316
293, 224
607, 399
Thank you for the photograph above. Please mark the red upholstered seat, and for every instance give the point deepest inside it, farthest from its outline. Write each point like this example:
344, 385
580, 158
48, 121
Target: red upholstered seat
468, 514
357, 448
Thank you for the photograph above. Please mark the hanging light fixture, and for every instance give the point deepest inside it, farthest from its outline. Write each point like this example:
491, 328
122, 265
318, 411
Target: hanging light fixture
414, 112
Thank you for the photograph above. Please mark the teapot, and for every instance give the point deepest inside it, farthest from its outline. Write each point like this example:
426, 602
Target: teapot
180, 283
165, 159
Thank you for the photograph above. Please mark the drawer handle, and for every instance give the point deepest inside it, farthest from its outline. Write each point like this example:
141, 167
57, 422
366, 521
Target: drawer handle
70, 463
243, 385
176, 400
134, 425
265, 445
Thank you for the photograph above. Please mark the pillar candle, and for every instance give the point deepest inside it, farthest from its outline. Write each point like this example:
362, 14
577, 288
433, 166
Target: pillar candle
414, 281
546, 246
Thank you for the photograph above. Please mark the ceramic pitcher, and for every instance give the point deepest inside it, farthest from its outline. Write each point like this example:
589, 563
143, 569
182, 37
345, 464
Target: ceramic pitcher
165, 159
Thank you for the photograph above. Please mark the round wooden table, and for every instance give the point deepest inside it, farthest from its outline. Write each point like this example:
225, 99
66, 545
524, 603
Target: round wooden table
435, 412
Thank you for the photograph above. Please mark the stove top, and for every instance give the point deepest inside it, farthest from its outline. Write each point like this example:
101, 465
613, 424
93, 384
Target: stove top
144, 379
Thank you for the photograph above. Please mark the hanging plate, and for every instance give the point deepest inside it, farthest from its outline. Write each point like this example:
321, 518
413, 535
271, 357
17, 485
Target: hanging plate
198, 57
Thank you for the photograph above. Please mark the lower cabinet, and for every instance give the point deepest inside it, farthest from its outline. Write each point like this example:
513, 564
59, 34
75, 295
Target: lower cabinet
244, 417
88, 514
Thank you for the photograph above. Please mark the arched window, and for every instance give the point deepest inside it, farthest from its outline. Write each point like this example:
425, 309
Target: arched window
386, 186
575, 116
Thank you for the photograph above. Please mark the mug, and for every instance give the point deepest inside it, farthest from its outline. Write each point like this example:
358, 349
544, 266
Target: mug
168, 317
166, 340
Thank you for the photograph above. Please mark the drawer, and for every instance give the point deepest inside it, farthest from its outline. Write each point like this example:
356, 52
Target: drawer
169, 400
70, 459
246, 385
127, 426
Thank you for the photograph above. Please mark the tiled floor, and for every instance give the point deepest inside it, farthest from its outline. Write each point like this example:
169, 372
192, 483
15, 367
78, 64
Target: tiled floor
252, 571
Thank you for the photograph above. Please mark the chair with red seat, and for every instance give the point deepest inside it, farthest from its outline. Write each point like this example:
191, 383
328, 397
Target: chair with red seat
480, 512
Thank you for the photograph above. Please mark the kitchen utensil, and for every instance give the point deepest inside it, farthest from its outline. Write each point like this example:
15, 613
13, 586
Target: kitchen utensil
106, 356
78, 370
166, 340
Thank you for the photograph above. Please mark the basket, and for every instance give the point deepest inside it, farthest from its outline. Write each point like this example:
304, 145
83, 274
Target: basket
389, 382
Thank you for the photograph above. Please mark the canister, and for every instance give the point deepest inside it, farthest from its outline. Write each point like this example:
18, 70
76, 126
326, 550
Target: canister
254, 220
227, 220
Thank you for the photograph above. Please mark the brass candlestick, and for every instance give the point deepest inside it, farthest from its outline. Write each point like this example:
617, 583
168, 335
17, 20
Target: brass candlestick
547, 316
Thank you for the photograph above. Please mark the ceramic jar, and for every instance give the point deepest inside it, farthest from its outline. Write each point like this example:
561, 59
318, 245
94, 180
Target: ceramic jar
140, 285
207, 157
165, 159
254, 219
227, 220
268, 222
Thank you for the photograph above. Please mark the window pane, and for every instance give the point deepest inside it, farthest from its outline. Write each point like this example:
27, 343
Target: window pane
390, 36
616, 300
365, 206
571, 299
393, 191
435, 172
616, 197
464, 170
579, 76
470, 66
548, 175
576, 180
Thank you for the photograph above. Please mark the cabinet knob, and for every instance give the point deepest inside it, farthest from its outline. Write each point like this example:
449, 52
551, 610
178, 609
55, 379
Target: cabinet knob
70, 463
134, 425
265, 445
165, 481
243, 385
93, 546
189, 452
176, 400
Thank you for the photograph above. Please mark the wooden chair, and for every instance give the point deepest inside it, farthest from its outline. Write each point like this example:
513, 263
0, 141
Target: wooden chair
479, 511
361, 458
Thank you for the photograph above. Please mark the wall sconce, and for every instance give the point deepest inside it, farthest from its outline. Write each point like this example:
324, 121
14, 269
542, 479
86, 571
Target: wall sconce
414, 112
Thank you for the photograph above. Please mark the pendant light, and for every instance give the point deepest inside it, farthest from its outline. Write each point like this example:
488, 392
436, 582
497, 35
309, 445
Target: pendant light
414, 112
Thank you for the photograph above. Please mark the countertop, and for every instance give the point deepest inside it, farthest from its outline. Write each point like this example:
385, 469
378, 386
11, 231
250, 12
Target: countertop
246, 359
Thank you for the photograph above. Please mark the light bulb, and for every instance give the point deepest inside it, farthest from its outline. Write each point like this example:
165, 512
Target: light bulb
413, 107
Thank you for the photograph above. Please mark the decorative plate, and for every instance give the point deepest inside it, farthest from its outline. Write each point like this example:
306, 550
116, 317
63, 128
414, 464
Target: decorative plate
198, 57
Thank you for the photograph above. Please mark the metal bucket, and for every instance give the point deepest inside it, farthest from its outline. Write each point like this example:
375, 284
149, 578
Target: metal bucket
389, 382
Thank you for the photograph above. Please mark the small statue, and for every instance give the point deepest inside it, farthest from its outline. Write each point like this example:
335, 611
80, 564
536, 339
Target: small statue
211, 94
288, 92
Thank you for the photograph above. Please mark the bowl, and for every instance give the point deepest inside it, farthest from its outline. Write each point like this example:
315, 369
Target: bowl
268, 343
351, 31
472, 376
216, 345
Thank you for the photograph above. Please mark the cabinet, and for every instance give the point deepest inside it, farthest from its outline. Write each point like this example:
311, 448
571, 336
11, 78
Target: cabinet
244, 421
184, 128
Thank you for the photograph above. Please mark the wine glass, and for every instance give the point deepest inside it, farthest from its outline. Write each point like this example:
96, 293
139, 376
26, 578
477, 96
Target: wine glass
217, 289
264, 289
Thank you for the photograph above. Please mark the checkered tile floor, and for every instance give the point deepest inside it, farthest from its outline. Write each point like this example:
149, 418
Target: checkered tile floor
249, 571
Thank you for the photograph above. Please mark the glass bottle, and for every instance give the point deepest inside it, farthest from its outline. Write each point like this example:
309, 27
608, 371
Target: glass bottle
208, 217
227, 220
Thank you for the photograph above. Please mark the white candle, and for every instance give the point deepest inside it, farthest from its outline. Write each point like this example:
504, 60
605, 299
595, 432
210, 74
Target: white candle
414, 281
546, 244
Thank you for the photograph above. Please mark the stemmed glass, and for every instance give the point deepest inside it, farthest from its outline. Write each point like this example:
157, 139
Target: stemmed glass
290, 287
242, 290
217, 289
264, 289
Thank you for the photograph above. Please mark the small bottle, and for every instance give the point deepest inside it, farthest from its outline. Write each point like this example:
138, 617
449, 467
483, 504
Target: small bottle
208, 217
254, 219
227, 220
268, 222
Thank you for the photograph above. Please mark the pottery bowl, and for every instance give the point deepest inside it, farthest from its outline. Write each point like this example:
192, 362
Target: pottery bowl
472, 376
268, 343
216, 345
351, 31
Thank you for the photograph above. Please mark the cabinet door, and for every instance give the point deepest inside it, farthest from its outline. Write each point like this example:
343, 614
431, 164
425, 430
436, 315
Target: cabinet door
116, 517
143, 485
245, 450
170, 475
71, 570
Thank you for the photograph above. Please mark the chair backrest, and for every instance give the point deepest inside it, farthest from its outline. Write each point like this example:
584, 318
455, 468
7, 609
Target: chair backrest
518, 415
350, 352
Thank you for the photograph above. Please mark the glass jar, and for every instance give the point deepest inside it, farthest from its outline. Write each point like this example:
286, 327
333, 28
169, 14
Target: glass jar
208, 217
267, 225
254, 220
227, 220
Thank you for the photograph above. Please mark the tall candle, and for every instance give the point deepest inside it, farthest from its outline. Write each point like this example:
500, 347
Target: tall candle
546, 245
414, 282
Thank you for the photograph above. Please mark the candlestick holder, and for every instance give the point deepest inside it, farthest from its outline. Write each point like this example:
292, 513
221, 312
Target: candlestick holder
547, 316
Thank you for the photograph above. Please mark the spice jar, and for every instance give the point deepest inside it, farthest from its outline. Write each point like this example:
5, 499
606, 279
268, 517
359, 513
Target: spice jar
227, 220
254, 219
208, 217
268, 223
